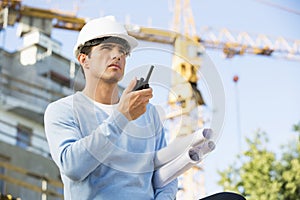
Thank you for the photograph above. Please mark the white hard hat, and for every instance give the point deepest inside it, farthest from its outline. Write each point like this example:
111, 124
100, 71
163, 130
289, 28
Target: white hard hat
103, 27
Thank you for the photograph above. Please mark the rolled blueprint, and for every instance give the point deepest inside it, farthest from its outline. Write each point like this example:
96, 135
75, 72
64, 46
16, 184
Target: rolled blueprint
178, 166
198, 152
179, 145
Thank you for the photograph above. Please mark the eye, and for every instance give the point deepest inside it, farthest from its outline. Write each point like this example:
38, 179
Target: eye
122, 51
105, 47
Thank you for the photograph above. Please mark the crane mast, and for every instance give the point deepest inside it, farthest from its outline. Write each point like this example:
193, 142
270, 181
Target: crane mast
184, 91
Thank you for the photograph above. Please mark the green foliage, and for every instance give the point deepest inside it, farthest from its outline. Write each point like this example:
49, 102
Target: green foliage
296, 128
261, 175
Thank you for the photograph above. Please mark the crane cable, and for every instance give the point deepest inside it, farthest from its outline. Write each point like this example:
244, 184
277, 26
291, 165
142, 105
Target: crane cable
297, 12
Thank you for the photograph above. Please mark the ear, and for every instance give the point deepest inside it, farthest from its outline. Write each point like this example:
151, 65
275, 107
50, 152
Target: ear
82, 59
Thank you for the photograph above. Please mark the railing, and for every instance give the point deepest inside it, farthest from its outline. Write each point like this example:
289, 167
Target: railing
37, 141
41, 185
28, 91
20, 179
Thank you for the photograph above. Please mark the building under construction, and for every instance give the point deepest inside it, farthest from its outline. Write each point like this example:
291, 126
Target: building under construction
30, 78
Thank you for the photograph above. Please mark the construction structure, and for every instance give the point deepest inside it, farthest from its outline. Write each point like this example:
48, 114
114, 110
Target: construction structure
38, 74
29, 80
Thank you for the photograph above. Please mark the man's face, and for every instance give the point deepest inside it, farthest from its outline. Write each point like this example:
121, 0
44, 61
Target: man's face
106, 62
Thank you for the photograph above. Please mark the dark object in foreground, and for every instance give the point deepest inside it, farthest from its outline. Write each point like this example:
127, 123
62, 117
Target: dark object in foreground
143, 84
224, 196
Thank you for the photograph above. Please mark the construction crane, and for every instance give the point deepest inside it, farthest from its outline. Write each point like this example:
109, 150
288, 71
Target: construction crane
241, 43
186, 43
12, 11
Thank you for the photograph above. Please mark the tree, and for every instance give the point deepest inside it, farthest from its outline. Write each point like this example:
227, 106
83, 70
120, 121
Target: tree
296, 128
263, 175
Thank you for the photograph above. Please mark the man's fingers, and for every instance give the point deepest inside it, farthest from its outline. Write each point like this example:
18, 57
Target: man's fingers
144, 92
130, 86
134, 103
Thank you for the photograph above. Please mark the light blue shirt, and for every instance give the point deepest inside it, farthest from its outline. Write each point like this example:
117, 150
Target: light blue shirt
105, 156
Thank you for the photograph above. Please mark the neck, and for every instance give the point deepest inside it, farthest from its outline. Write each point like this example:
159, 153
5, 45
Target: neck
103, 93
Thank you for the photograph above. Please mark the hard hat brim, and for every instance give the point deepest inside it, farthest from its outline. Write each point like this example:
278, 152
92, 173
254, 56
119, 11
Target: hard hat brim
131, 41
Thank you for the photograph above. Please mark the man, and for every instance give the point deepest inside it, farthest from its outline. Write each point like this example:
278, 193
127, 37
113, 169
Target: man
104, 144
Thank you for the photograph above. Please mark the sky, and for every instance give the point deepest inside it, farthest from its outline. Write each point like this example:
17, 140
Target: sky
267, 95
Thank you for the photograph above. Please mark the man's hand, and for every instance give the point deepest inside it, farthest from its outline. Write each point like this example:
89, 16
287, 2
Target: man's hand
133, 103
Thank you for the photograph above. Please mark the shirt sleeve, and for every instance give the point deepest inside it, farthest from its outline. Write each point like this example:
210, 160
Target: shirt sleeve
72, 153
167, 192
170, 190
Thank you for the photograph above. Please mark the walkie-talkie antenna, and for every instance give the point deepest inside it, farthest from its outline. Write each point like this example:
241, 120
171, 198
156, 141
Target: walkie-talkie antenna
141, 83
149, 74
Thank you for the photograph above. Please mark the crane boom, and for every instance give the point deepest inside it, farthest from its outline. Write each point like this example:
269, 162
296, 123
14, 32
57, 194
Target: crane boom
225, 40
231, 44
63, 20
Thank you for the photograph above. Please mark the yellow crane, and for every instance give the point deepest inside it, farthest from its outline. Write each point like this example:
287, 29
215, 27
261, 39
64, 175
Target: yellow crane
231, 43
186, 43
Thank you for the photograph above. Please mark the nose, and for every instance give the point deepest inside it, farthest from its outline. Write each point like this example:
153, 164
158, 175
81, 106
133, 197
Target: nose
116, 54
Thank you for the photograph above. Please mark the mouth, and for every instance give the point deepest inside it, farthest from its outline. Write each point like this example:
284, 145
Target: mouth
116, 66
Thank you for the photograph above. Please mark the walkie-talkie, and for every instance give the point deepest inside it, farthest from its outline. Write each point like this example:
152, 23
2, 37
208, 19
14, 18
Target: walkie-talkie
143, 84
